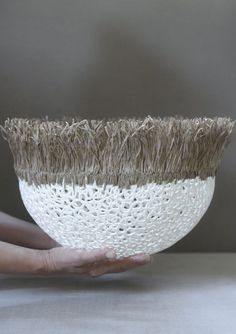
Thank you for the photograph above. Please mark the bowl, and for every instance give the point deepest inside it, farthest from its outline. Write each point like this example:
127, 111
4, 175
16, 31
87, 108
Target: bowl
135, 185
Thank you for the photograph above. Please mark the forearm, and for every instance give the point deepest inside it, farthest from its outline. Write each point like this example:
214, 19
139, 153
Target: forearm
19, 232
15, 259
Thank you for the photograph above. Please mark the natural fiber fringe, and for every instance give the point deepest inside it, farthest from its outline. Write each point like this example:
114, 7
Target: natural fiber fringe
119, 152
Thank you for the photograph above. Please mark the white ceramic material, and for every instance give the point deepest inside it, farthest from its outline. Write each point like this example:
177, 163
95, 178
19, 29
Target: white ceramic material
146, 219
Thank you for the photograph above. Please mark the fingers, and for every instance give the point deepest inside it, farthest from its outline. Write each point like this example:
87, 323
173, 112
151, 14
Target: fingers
121, 265
95, 256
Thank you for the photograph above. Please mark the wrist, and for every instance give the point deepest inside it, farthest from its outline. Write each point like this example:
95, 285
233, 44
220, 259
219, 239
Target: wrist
44, 262
39, 261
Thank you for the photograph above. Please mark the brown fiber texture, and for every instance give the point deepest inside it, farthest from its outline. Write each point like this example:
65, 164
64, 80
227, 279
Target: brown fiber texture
121, 152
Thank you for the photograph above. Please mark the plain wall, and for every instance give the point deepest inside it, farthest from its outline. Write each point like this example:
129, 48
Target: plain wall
100, 58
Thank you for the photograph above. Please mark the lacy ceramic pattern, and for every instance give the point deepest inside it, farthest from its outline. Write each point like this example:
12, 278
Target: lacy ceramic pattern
146, 219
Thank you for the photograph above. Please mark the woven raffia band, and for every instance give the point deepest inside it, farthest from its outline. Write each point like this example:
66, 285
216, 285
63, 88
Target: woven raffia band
116, 151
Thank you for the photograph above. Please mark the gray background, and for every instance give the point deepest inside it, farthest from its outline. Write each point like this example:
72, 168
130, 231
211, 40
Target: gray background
100, 58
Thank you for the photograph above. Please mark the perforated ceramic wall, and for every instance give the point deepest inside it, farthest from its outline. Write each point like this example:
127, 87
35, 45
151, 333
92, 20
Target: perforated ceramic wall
146, 219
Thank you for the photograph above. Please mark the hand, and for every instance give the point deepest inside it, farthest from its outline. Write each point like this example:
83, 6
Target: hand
92, 263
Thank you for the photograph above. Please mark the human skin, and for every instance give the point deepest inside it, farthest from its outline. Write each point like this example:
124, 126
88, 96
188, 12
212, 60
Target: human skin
25, 248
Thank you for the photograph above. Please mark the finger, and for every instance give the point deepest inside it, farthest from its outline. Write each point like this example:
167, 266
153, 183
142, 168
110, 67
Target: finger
129, 261
94, 256
121, 265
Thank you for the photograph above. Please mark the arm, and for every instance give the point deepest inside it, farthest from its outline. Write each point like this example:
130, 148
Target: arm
21, 233
16, 259
25, 248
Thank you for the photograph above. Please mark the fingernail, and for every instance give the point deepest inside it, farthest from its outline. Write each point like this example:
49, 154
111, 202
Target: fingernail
111, 254
141, 258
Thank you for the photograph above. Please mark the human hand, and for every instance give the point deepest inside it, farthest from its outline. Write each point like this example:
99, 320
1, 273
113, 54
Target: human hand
61, 260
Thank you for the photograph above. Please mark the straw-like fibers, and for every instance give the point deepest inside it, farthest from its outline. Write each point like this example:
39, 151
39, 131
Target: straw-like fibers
116, 151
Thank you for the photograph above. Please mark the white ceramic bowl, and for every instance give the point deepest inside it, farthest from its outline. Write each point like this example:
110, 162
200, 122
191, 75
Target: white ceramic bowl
146, 218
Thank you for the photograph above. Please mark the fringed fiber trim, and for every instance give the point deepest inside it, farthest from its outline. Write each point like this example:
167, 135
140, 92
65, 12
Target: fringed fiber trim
116, 151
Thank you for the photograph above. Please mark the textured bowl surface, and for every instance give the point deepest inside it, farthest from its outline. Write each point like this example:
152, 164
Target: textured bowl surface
147, 218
